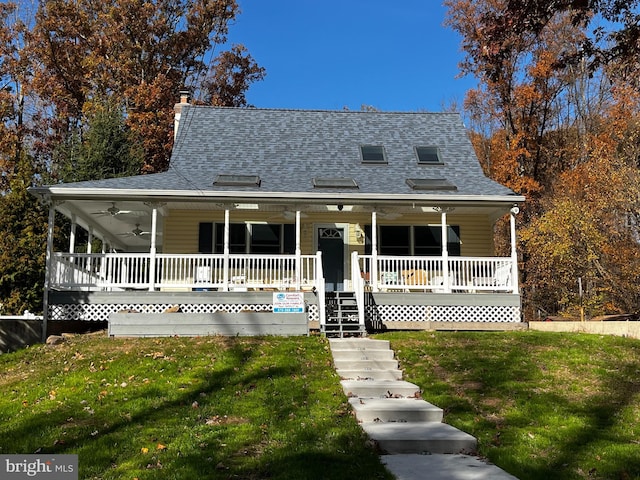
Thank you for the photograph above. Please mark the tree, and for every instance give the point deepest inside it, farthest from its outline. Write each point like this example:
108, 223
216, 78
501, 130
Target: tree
23, 233
107, 149
545, 123
140, 53
85, 89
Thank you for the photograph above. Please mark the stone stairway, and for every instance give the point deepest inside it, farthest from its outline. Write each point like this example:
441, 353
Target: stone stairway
391, 410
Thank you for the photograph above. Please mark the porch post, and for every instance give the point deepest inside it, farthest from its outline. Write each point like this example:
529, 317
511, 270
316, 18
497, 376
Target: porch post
298, 267
445, 250
152, 249
225, 262
72, 235
48, 270
89, 240
89, 260
374, 251
514, 254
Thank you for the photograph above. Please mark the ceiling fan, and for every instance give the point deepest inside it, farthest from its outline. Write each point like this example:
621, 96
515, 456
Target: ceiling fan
388, 215
286, 214
138, 232
114, 211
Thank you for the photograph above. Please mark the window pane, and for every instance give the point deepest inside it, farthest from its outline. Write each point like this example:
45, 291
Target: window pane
237, 237
265, 238
205, 237
372, 153
289, 238
428, 154
394, 240
428, 240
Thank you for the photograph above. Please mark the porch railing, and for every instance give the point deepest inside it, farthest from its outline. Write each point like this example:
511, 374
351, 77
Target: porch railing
118, 271
435, 274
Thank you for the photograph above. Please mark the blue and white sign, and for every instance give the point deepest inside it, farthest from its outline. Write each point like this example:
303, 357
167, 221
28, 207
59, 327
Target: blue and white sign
288, 302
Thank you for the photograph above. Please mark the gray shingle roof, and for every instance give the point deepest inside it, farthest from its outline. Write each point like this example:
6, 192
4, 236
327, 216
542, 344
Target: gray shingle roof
288, 148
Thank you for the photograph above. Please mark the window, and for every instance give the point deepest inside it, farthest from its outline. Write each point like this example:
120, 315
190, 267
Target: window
237, 238
393, 240
419, 240
428, 154
372, 154
247, 238
326, 182
265, 238
428, 240
237, 181
430, 184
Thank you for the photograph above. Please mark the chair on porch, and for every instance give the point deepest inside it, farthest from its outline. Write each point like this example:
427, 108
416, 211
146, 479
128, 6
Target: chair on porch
501, 278
417, 277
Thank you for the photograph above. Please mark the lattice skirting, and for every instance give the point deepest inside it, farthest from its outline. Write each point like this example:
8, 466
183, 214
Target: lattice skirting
101, 311
444, 313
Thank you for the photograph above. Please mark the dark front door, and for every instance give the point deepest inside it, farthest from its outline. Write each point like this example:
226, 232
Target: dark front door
331, 244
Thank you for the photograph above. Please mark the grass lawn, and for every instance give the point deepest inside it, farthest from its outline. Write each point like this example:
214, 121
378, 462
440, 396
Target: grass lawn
184, 408
541, 405
560, 406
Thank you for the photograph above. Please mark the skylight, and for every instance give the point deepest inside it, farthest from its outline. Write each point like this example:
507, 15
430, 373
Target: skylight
326, 182
430, 184
237, 181
372, 154
428, 155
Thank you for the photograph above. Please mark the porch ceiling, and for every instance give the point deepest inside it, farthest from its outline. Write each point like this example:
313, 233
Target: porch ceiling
126, 224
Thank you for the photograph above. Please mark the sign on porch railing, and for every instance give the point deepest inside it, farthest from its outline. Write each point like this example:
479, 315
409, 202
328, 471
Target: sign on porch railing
288, 302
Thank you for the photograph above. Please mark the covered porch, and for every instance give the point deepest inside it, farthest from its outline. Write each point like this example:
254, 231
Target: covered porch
386, 288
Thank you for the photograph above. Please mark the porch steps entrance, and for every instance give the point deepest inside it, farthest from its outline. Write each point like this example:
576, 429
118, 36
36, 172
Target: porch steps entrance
391, 411
342, 316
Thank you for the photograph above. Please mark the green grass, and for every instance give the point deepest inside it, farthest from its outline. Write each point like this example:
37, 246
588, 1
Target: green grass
181, 408
541, 405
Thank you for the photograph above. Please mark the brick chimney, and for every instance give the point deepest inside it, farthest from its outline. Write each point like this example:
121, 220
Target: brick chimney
177, 109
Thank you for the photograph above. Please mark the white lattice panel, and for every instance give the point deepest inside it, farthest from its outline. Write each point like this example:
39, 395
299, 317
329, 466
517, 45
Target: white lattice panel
101, 312
444, 313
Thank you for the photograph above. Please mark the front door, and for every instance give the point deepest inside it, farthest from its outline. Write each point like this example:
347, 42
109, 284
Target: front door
331, 244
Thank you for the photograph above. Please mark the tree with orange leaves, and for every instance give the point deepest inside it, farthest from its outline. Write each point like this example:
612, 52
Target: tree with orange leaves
138, 53
545, 123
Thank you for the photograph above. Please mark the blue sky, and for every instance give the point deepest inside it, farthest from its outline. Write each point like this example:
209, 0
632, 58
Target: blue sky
331, 54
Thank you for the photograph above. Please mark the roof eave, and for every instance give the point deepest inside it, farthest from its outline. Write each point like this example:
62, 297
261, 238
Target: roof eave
61, 193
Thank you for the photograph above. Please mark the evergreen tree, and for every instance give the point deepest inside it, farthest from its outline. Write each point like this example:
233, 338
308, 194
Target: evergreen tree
107, 149
23, 236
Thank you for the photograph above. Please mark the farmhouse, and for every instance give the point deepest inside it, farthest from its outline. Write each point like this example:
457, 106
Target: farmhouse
367, 219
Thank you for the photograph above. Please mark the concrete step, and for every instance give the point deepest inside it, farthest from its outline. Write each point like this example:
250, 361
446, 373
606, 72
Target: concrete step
370, 374
443, 467
395, 410
422, 437
379, 388
358, 344
365, 365
362, 354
